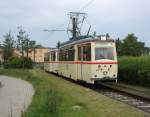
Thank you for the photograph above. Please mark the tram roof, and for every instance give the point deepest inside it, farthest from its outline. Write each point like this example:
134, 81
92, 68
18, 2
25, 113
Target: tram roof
83, 39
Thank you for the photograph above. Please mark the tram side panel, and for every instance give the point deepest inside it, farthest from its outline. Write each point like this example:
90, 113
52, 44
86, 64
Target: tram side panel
72, 70
62, 69
49, 67
56, 63
86, 73
46, 66
56, 67
65, 69
59, 69
79, 72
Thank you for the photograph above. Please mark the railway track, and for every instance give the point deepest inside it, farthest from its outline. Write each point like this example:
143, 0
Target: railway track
139, 102
136, 101
130, 100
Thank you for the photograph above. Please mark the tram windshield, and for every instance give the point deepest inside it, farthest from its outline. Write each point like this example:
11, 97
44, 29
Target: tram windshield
104, 53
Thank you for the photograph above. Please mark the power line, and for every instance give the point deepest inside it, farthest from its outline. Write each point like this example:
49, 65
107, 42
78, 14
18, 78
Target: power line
53, 30
88, 4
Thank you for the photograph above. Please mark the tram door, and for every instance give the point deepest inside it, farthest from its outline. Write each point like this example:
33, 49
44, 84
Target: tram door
84, 56
80, 59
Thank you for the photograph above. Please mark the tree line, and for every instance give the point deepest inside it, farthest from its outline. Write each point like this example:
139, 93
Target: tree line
23, 44
130, 46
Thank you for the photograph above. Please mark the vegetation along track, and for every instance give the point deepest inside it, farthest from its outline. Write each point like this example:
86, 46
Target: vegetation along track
136, 101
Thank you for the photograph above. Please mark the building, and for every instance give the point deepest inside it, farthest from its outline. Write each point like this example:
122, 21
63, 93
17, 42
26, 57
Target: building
16, 53
37, 55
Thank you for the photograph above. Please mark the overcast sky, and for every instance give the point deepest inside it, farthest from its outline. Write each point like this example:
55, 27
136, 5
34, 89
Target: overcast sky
116, 17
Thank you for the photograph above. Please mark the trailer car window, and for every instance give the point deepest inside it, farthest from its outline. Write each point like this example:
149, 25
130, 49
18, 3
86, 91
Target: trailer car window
62, 55
53, 56
71, 53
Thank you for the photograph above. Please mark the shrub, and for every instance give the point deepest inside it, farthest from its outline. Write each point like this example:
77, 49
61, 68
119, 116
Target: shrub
27, 63
135, 70
16, 62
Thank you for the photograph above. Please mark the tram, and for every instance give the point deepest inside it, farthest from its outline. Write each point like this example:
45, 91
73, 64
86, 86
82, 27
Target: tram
88, 58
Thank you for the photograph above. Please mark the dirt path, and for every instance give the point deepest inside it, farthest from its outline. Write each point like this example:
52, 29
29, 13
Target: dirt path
15, 96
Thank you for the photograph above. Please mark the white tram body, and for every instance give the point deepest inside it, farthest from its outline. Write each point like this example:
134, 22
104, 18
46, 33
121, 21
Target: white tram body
89, 59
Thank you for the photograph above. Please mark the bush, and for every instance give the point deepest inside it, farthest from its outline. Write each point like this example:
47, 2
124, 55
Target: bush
1, 63
27, 63
135, 70
16, 62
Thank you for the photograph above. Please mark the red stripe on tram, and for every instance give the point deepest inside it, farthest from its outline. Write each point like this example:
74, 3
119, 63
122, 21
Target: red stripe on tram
80, 62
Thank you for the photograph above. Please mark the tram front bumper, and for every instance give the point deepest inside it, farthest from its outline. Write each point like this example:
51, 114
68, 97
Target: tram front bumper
103, 79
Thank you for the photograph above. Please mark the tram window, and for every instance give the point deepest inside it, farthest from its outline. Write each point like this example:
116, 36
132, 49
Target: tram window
87, 52
53, 56
104, 53
70, 55
79, 53
62, 55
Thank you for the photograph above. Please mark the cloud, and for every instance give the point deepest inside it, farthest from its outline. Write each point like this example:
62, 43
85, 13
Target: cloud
116, 17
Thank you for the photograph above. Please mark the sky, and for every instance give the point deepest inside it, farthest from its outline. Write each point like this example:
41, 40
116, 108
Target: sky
116, 17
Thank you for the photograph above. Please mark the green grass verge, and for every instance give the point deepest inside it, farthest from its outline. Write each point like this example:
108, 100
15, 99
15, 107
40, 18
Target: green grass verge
56, 97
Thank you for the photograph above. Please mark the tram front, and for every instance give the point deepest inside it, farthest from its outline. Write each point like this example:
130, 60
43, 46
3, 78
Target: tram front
105, 58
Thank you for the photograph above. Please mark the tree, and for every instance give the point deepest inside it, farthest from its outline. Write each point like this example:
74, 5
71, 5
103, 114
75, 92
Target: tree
21, 41
131, 46
58, 44
147, 51
118, 46
38, 46
107, 36
8, 45
27, 42
1, 45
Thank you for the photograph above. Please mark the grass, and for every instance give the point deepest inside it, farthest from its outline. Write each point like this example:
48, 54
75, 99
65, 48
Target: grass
56, 97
